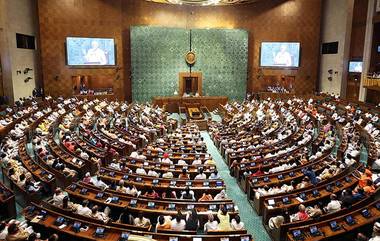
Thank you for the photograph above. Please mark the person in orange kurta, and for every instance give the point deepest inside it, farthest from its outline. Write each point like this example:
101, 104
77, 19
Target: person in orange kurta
367, 175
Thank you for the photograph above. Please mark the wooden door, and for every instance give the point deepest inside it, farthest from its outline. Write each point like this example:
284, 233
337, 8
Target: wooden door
1, 80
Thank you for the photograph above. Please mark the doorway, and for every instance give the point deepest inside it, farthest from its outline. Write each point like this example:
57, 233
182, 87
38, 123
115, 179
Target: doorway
190, 83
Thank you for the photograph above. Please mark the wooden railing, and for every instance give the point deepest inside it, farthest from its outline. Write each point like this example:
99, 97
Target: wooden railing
371, 82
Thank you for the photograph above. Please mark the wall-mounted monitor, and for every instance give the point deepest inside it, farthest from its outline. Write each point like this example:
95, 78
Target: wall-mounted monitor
90, 51
355, 66
280, 54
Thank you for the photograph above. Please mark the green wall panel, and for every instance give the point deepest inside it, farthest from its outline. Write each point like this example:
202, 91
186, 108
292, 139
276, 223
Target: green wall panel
222, 56
158, 56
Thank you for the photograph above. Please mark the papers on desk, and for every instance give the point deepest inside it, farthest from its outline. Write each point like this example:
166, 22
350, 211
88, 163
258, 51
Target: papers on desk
299, 199
62, 226
36, 219
271, 202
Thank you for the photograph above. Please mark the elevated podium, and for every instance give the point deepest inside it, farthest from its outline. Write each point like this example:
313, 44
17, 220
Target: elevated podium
172, 103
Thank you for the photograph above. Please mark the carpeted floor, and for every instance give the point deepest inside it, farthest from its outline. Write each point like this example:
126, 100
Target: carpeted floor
251, 220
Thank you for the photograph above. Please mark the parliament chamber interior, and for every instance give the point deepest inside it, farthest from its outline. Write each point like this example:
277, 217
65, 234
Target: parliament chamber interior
190, 120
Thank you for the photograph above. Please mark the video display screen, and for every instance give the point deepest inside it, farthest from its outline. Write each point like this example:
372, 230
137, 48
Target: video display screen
90, 51
355, 66
280, 54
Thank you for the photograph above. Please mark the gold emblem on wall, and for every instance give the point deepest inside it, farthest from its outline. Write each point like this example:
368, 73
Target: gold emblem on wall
190, 58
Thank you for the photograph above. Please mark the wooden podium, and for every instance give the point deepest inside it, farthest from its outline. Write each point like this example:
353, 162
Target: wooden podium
172, 103
189, 83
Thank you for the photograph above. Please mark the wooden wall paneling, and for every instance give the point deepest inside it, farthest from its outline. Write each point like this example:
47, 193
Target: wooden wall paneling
1, 80
276, 20
359, 21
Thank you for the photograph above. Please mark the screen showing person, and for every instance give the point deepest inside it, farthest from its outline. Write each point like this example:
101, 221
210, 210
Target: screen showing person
90, 51
280, 54
355, 66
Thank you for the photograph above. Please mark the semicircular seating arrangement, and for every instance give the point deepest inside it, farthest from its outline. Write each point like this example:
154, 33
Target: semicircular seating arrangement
299, 161
108, 170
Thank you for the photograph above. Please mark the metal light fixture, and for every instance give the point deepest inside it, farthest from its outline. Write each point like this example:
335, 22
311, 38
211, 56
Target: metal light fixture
27, 79
26, 70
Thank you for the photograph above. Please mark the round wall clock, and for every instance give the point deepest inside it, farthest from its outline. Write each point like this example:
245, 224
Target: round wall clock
190, 58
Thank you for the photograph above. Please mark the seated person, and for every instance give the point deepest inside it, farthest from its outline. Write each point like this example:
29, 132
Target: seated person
121, 187
15, 233
236, 224
369, 188
102, 216
87, 178
125, 217
169, 194
275, 222
166, 159
334, 205
164, 222
184, 175
153, 173
31, 186
205, 197
224, 219
178, 223
84, 209
141, 221
97, 182
221, 196
347, 199
58, 197
168, 175
192, 220
201, 175
376, 232
358, 194
367, 175
152, 194
188, 194
196, 162
301, 215
132, 191
211, 224
214, 175
314, 212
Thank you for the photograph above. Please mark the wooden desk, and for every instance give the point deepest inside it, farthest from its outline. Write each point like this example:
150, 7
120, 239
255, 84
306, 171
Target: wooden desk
172, 103
326, 233
113, 233
161, 207
195, 113
109, 97
7, 203
146, 182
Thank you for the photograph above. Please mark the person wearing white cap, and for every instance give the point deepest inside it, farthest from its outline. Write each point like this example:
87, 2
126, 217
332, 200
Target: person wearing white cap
87, 178
376, 232
221, 196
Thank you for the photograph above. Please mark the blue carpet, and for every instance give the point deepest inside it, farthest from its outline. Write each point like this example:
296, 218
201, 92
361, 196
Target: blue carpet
251, 220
